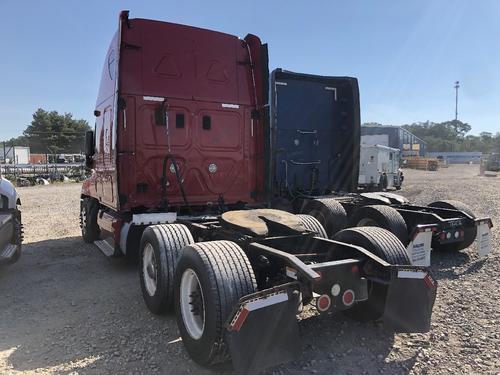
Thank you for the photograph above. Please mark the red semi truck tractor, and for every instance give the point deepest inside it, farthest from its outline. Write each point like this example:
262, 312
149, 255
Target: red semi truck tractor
178, 158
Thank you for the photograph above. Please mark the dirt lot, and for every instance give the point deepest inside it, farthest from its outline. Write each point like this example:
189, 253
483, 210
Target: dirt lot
67, 309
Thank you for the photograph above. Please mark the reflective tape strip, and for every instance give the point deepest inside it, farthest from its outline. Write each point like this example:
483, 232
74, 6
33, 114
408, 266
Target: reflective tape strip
281, 83
429, 282
226, 105
238, 323
253, 305
153, 98
264, 302
154, 218
411, 274
334, 89
291, 272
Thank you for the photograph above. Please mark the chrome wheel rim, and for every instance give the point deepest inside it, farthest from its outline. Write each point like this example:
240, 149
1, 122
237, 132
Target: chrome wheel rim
367, 222
192, 304
149, 269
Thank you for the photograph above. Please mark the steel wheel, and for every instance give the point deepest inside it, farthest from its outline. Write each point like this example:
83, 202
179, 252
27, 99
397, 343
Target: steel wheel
149, 269
367, 222
192, 304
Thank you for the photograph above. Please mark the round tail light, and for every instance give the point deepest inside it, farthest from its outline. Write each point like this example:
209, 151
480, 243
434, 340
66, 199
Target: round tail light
323, 303
348, 297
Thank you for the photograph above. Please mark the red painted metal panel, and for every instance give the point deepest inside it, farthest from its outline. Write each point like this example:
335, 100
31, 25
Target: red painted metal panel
210, 88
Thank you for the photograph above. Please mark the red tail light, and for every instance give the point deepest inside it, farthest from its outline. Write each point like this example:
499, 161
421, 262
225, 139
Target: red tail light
323, 303
348, 297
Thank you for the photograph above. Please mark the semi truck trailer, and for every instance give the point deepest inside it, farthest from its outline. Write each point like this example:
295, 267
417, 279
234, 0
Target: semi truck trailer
315, 127
180, 160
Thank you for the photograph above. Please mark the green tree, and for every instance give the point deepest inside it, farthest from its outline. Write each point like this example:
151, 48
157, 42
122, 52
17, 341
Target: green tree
452, 136
51, 132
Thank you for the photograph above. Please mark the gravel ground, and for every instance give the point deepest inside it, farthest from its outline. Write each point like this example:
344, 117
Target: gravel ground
67, 309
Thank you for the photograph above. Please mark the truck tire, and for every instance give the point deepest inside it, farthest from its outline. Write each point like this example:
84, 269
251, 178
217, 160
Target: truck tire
381, 216
386, 246
453, 205
312, 224
470, 233
210, 279
329, 212
160, 248
89, 208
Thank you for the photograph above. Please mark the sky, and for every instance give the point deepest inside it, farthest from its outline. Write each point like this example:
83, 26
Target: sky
406, 54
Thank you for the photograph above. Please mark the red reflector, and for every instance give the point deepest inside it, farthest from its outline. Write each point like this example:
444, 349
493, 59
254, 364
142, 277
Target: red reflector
348, 297
240, 320
323, 303
429, 282
462, 233
355, 269
443, 235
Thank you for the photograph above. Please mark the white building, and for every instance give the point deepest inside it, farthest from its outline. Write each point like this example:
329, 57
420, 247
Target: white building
14, 154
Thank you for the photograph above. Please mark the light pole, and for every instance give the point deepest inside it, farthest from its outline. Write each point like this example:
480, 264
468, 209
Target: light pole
457, 85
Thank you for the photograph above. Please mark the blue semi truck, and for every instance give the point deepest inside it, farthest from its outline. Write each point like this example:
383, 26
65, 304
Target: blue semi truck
315, 153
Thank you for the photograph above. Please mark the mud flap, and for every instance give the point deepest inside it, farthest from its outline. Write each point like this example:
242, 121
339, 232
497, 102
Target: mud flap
419, 248
484, 236
410, 298
264, 331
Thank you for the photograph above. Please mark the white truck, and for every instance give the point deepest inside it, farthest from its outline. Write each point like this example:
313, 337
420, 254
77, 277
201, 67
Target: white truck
11, 233
379, 168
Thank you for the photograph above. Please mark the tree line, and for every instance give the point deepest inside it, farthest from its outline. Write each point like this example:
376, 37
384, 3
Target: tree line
452, 136
52, 133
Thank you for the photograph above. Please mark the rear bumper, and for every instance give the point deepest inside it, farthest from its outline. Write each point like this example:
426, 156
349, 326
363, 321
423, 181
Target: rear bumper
460, 230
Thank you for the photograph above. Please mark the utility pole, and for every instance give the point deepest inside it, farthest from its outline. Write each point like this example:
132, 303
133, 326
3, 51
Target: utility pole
457, 85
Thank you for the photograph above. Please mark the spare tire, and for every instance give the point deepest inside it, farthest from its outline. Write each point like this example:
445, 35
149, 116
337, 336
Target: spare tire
329, 212
381, 216
385, 245
470, 233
